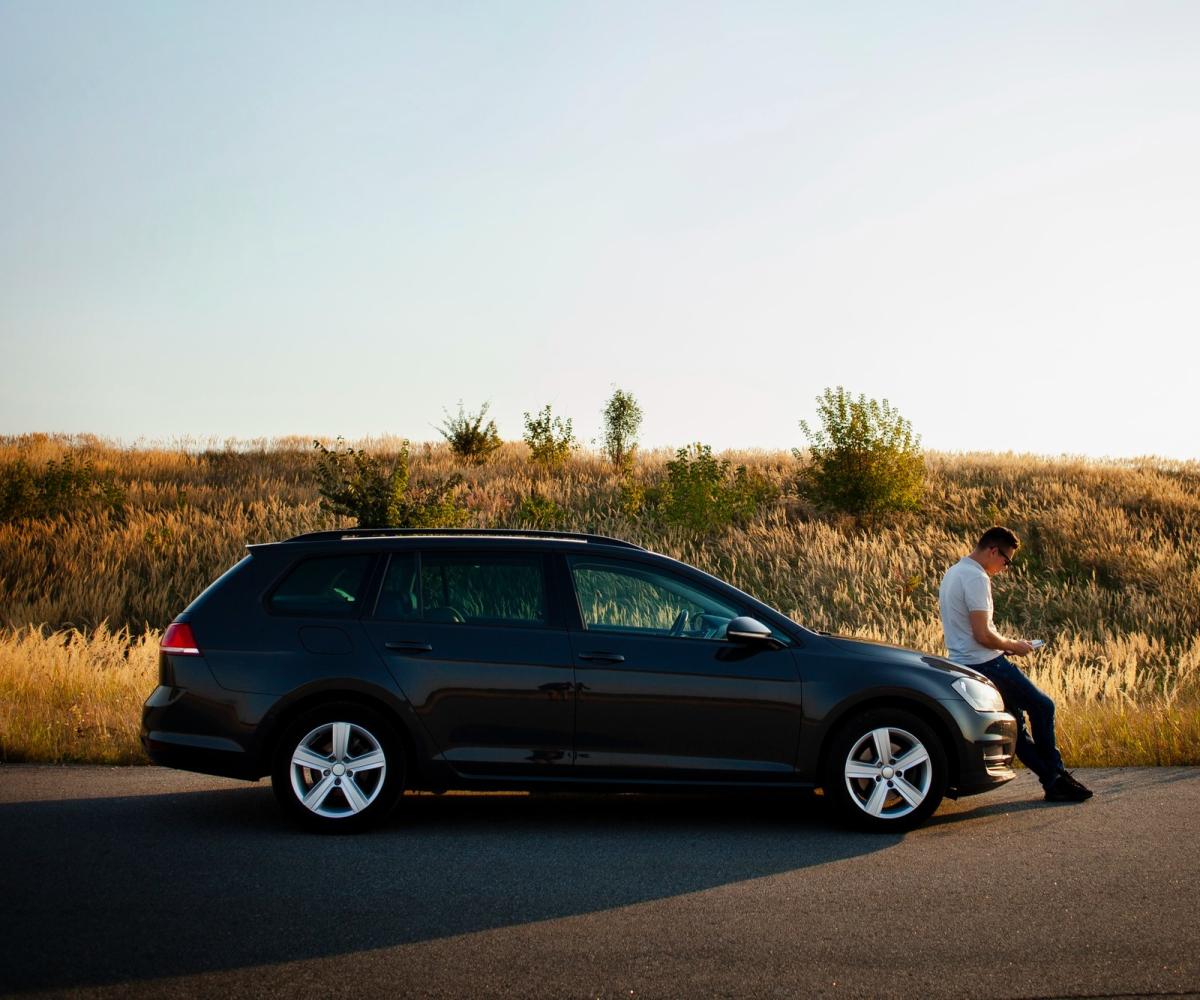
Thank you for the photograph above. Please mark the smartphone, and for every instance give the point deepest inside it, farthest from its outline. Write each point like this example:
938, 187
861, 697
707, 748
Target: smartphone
1037, 643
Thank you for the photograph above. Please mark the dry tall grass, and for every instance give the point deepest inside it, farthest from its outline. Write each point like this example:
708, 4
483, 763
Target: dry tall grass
69, 697
1107, 572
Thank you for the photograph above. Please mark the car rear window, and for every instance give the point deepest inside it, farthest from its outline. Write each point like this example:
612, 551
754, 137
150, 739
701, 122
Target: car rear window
329, 586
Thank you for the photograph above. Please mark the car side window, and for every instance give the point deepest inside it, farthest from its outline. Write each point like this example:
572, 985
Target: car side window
483, 589
629, 597
328, 586
400, 596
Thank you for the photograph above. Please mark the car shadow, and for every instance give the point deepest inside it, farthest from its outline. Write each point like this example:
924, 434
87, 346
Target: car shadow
110, 890
962, 814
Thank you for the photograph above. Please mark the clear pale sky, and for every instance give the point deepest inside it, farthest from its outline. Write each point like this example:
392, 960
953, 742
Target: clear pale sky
254, 219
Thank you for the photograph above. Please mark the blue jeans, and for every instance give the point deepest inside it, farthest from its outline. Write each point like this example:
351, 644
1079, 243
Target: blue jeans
1022, 697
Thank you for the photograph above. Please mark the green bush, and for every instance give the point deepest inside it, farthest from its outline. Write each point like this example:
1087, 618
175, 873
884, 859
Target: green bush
470, 439
631, 498
550, 438
705, 495
60, 489
538, 511
355, 484
622, 419
865, 458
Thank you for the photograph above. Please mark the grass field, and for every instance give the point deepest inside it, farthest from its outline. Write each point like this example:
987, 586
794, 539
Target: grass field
1107, 573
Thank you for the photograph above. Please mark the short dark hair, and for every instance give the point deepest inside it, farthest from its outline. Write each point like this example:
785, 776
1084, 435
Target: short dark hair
998, 537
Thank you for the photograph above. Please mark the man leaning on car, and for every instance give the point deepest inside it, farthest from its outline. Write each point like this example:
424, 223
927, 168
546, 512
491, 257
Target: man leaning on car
965, 599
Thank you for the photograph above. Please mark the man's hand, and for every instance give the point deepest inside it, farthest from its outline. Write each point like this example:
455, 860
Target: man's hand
981, 628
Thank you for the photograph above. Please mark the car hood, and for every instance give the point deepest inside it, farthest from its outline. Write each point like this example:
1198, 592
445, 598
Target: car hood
873, 649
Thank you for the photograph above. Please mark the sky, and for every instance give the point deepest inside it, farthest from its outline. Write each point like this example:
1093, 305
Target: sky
232, 219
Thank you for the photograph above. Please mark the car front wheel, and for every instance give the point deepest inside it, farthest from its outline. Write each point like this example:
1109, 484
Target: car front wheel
886, 770
338, 769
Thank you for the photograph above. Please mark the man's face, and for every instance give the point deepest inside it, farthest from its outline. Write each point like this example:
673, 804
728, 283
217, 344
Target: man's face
999, 558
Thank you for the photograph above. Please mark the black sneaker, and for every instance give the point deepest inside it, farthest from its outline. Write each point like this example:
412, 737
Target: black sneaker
1080, 789
1064, 788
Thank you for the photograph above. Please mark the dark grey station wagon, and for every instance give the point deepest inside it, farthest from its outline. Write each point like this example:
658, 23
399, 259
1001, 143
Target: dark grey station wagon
352, 665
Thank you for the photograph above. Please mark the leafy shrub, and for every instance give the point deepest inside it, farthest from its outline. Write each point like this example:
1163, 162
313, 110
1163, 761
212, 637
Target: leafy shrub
355, 484
631, 498
705, 495
60, 489
550, 438
864, 459
470, 439
622, 419
538, 511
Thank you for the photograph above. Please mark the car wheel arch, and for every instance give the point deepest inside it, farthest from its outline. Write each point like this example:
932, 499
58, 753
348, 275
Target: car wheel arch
285, 714
923, 710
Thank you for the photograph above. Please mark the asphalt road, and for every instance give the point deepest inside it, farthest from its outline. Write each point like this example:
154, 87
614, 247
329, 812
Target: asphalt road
144, 882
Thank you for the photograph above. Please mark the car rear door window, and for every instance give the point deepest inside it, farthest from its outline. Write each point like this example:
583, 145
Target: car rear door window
326, 586
400, 596
483, 589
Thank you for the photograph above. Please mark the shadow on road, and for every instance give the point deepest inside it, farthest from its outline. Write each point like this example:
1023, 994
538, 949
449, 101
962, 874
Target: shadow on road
122, 889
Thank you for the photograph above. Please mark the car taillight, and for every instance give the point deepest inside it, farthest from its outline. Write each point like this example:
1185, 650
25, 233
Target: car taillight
178, 640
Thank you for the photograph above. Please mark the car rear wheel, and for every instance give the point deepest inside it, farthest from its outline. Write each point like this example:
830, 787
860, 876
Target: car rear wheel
886, 770
338, 769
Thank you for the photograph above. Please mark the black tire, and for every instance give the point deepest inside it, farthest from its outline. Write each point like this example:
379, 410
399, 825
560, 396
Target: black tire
871, 794
305, 778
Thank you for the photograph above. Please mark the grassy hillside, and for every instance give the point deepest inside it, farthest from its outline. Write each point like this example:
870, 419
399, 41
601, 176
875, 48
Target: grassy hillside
1107, 572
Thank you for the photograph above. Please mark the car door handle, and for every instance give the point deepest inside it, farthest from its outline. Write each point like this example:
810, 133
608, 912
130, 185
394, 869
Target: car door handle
600, 657
409, 646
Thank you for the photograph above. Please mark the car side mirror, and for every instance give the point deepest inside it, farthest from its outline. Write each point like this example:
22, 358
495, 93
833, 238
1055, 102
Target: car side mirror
747, 631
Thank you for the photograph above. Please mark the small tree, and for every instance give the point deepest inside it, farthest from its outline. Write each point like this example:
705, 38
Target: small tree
705, 495
865, 458
355, 484
550, 438
622, 418
470, 439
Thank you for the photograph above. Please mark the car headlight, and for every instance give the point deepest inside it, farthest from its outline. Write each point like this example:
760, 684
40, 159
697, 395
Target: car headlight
981, 697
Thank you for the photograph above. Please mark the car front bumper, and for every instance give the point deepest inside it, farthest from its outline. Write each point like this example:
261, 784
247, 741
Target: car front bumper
986, 755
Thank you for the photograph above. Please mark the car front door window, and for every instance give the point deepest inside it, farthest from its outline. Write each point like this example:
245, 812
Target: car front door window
621, 597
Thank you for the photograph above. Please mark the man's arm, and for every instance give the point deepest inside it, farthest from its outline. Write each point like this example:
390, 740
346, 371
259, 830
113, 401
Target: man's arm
985, 636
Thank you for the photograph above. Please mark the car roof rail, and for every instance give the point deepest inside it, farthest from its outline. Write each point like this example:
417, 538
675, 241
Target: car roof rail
361, 533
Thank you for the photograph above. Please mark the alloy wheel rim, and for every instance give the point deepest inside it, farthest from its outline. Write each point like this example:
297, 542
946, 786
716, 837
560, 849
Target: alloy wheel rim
888, 773
338, 770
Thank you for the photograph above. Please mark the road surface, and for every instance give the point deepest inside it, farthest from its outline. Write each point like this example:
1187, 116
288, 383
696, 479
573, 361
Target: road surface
144, 882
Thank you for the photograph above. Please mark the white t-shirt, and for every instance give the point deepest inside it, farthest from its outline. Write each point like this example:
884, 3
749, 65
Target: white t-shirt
966, 587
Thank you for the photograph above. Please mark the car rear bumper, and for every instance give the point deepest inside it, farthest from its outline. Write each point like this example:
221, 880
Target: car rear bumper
206, 755
181, 730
